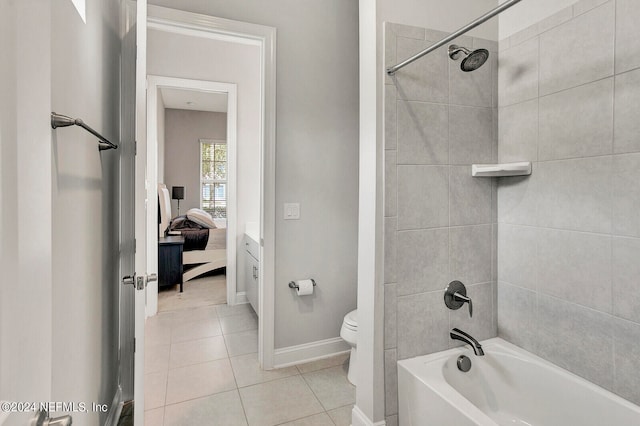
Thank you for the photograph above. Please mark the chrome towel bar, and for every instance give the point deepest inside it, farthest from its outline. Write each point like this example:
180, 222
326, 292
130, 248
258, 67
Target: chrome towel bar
59, 120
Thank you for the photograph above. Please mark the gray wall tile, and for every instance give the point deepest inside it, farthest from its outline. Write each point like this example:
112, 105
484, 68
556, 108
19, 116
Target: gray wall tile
423, 324
576, 267
470, 88
518, 132
578, 51
556, 19
626, 278
423, 133
481, 325
627, 111
583, 6
392, 420
425, 80
518, 255
470, 135
482, 43
470, 254
469, 198
626, 195
575, 194
390, 184
518, 199
627, 354
576, 338
577, 122
390, 316
423, 197
390, 382
523, 35
627, 35
517, 316
390, 118
518, 73
390, 249
423, 260
408, 31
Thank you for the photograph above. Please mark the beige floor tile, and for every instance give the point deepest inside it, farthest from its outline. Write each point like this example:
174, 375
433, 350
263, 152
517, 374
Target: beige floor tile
341, 359
321, 419
197, 292
279, 401
341, 416
237, 323
331, 387
247, 370
182, 316
155, 390
156, 358
195, 330
154, 417
220, 409
197, 351
199, 380
226, 310
156, 334
245, 342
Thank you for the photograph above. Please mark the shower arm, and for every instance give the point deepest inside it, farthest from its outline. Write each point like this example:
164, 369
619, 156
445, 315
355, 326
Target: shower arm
504, 6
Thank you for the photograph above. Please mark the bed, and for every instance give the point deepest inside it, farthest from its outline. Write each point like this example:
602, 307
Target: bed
214, 255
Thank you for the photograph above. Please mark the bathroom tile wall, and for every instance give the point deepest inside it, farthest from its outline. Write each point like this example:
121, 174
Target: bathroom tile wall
440, 223
569, 234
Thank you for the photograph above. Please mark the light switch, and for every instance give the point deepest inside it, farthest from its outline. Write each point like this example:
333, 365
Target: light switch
291, 211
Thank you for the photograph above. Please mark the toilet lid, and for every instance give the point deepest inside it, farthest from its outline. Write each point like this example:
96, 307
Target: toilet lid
351, 319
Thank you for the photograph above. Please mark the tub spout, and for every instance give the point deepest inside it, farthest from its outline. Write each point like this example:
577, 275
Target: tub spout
457, 334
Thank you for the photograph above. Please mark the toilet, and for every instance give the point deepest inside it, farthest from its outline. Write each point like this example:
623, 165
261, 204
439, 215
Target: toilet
349, 332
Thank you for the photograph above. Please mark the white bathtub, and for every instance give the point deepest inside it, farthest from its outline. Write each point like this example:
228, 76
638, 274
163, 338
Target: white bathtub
507, 386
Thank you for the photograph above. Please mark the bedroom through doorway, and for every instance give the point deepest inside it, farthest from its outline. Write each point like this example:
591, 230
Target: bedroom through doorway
193, 194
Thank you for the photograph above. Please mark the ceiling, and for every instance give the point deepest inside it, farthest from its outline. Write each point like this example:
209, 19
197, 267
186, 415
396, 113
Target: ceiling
194, 100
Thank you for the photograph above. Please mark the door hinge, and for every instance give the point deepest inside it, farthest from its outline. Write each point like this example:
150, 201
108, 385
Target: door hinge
135, 147
135, 245
134, 344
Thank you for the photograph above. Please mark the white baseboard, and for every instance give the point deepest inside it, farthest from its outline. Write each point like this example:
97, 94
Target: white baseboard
115, 409
361, 419
241, 297
307, 352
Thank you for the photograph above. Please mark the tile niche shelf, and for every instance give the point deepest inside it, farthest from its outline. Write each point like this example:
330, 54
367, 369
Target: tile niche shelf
502, 169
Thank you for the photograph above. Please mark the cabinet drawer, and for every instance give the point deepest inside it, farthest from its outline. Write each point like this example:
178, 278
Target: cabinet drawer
252, 247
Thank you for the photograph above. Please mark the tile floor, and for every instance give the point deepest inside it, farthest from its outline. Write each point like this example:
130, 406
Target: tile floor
204, 291
202, 369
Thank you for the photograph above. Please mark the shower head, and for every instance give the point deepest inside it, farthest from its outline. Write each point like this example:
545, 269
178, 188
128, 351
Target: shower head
472, 59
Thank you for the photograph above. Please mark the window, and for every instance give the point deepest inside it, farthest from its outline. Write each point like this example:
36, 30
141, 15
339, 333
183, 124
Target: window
213, 177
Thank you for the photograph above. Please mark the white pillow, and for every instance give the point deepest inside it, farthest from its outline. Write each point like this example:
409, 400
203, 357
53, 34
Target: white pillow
201, 217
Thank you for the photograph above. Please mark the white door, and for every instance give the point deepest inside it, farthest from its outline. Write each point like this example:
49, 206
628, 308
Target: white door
133, 206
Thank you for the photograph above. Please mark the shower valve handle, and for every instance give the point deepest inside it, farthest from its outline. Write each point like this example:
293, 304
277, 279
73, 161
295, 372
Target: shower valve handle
464, 299
455, 295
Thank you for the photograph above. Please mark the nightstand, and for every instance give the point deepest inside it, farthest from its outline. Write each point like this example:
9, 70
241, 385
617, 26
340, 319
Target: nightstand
170, 261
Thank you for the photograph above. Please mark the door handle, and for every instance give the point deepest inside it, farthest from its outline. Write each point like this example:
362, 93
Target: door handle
43, 419
152, 277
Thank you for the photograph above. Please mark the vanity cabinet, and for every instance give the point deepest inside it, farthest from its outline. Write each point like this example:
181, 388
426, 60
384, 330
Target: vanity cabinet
252, 271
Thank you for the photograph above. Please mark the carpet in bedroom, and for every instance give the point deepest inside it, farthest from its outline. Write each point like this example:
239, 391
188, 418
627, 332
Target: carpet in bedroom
204, 291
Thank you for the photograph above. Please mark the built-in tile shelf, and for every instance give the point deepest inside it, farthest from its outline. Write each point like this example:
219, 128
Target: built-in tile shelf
503, 169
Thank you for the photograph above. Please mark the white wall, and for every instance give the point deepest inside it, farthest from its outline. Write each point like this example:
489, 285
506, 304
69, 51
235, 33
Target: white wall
527, 13
316, 155
184, 129
161, 136
25, 198
85, 83
59, 203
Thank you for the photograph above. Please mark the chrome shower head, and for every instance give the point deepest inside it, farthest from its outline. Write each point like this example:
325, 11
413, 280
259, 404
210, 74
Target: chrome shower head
472, 59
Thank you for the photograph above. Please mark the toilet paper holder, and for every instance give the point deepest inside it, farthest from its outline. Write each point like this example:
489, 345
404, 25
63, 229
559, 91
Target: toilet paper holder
292, 284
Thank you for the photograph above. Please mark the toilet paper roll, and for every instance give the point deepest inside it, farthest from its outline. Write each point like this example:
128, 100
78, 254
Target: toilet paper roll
305, 287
